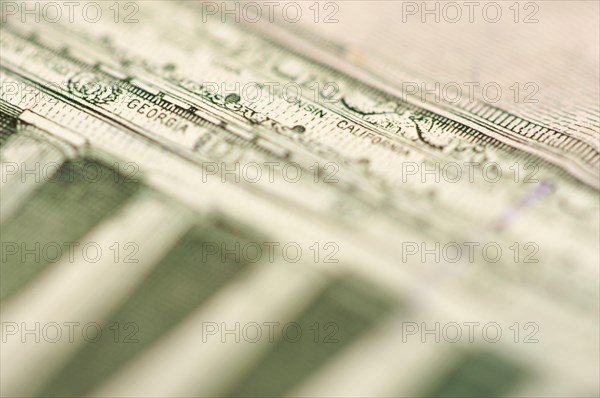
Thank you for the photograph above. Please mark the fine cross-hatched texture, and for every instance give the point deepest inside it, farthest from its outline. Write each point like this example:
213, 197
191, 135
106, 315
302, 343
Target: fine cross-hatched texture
351, 198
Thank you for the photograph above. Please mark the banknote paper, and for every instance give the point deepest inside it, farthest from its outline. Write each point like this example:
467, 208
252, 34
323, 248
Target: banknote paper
300, 198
